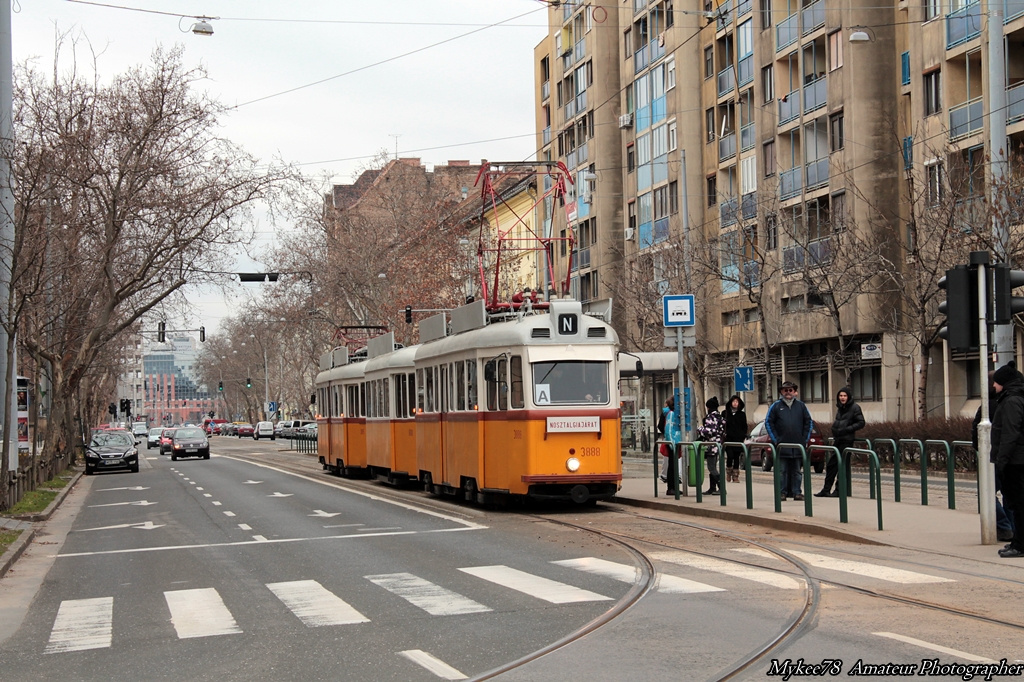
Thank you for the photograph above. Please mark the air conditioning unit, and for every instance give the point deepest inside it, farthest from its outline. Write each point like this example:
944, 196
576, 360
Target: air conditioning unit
625, 120
630, 233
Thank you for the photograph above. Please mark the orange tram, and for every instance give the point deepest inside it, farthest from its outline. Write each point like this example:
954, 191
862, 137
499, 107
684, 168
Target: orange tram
523, 405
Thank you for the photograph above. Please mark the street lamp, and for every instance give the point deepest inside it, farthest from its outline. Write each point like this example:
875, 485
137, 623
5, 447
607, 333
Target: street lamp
266, 378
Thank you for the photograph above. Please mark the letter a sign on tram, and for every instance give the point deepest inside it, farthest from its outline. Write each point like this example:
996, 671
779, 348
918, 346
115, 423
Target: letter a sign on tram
678, 310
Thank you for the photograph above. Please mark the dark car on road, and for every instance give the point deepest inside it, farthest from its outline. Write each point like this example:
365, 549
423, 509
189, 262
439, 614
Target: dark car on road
111, 451
762, 456
189, 442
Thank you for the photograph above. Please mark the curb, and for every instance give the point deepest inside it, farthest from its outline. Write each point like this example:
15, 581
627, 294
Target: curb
766, 522
15, 550
45, 514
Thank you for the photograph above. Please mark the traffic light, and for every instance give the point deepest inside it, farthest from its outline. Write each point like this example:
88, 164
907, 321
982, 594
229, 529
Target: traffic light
408, 314
161, 331
1004, 304
112, 409
220, 386
248, 382
960, 308
210, 414
127, 408
202, 333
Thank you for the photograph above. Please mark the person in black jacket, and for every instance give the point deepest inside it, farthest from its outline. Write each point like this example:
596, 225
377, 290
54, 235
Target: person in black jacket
1004, 514
849, 420
1008, 448
789, 421
735, 432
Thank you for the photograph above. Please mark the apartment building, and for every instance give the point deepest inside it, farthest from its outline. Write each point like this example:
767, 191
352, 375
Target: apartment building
784, 161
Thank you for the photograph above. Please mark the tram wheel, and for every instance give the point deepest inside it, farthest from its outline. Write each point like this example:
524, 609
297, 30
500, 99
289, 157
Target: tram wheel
579, 493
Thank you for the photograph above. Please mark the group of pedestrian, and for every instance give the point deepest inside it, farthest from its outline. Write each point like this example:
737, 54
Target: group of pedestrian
1008, 455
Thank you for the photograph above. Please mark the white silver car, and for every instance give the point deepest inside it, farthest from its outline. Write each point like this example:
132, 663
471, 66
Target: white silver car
264, 430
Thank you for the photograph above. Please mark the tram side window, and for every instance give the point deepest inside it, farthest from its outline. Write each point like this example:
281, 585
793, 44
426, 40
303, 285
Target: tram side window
421, 401
503, 384
385, 399
362, 399
443, 385
491, 379
397, 382
352, 400
460, 386
516, 366
411, 386
471, 384
430, 390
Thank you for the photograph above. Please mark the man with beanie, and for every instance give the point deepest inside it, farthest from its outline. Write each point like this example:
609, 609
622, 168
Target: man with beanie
712, 430
1008, 449
849, 420
789, 421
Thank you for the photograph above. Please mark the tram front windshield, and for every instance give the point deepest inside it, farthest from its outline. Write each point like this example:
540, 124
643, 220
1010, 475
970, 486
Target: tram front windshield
570, 382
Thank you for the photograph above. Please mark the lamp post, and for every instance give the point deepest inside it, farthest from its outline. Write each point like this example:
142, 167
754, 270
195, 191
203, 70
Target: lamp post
266, 377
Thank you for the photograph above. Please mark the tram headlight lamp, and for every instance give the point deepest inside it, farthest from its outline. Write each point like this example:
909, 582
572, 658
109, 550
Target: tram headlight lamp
572, 464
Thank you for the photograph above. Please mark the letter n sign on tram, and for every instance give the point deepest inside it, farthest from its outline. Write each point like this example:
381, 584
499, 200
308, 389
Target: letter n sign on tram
568, 324
677, 310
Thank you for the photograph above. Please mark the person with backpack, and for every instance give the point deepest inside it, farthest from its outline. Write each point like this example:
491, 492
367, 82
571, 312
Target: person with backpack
712, 430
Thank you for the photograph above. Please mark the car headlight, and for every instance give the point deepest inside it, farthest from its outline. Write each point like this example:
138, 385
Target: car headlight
572, 464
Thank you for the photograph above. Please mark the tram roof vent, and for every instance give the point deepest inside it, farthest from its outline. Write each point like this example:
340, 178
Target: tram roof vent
540, 333
597, 333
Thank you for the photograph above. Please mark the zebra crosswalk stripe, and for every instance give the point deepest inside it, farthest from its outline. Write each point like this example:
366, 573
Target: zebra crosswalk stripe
434, 599
533, 585
82, 624
314, 605
668, 584
200, 613
759, 575
861, 568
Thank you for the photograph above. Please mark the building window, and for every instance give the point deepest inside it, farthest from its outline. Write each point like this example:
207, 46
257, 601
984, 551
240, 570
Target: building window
932, 93
768, 83
670, 73
771, 232
838, 211
673, 197
835, 50
866, 384
836, 136
769, 158
814, 387
709, 61
712, 190
730, 318
905, 68
673, 137
792, 304
709, 124
751, 315
630, 157
908, 152
932, 9
632, 214
934, 190
766, 14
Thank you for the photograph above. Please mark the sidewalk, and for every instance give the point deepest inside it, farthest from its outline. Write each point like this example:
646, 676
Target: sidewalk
907, 524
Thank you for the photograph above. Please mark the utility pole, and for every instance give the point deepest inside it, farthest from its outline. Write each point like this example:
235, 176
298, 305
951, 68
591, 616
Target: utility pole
6, 231
1002, 334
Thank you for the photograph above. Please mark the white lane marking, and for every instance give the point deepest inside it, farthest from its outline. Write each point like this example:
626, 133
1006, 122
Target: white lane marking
314, 605
245, 526
276, 494
82, 624
935, 647
434, 599
145, 525
193, 483
207, 495
758, 575
320, 513
377, 530
227, 513
152, 458
200, 488
893, 575
344, 525
259, 538
251, 482
534, 585
433, 664
131, 487
139, 503
669, 584
215, 504
200, 613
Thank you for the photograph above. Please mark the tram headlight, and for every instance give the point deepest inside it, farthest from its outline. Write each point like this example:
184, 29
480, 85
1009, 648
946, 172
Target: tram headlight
572, 464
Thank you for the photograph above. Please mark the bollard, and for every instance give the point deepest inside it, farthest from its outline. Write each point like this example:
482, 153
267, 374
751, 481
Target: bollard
950, 482
895, 463
843, 483
924, 466
655, 463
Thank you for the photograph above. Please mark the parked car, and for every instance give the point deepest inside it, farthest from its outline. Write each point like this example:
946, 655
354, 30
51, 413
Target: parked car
153, 439
264, 430
212, 426
307, 431
166, 438
278, 427
190, 442
762, 456
291, 430
243, 430
110, 451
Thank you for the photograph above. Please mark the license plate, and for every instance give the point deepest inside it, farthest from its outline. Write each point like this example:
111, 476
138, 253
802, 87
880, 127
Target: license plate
191, 450
112, 461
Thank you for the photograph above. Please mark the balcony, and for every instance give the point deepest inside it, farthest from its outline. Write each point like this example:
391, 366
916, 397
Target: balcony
727, 212
748, 137
787, 31
640, 59
819, 252
963, 24
657, 50
726, 80
817, 173
791, 182
748, 206
582, 259
743, 7
967, 118
1012, 9
724, 15
793, 258
815, 94
789, 107
581, 102
726, 146
660, 230
751, 274
580, 50
570, 109
545, 91
812, 17
547, 135
745, 69
970, 215
1015, 103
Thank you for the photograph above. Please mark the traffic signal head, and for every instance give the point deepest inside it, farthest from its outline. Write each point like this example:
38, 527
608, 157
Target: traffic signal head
1004, 304
202, 333
112, 409
161, 331
248, 383
220, 386
408, 314
960, 308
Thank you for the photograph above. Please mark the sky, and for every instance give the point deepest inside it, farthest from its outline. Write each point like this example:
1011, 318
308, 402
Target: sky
326, 84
